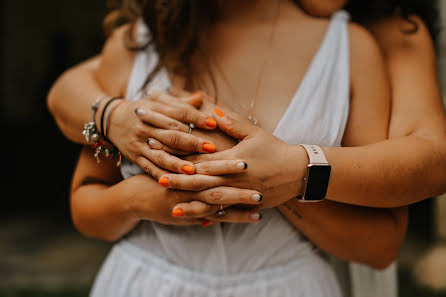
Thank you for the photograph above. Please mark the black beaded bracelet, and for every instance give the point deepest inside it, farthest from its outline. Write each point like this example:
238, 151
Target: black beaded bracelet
103, 115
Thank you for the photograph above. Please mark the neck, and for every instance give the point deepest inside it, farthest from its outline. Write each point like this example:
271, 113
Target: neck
248, 10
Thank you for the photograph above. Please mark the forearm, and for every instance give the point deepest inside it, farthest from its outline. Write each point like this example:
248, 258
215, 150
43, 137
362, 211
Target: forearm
71, 97
366, 235
407, 169
104, 211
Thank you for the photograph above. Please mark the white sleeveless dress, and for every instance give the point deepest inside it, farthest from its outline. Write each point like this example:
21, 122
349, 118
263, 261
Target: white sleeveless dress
270, 258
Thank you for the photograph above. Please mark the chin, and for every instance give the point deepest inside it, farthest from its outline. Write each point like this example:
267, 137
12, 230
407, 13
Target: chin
322, 8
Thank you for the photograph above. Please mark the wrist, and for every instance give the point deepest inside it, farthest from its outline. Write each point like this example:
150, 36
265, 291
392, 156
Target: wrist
119, 115
298, 162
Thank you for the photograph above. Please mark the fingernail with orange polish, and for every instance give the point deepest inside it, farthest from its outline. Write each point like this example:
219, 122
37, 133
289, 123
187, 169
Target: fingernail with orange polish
219, 112
206, 223
164, 181
188, 169
178, 212
196, 95
209, 147
211, 123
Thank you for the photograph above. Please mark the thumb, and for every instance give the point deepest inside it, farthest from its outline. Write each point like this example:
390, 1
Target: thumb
195, 99
232, 123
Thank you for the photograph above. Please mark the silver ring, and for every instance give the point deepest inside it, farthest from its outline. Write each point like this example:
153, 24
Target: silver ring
191, 127
221, 213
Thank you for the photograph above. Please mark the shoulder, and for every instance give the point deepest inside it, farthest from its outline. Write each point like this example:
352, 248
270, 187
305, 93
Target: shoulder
364, 48
366, 57
370, 94
398, 36
116, 61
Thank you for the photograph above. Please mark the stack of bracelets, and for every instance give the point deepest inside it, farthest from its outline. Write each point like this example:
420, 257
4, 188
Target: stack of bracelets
98, 139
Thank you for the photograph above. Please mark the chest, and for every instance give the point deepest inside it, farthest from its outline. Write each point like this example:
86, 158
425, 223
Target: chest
257, 73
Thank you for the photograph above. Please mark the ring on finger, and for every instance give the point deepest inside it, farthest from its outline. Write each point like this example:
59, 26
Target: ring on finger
191, 127
221, 212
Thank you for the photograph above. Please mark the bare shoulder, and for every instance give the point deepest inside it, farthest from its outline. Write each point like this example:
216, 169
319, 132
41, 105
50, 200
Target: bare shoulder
366, 57
370, 90
364, 49
397, 35
116, 62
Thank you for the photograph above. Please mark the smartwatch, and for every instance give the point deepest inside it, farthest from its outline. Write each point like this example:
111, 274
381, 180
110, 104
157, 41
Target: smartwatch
318, 175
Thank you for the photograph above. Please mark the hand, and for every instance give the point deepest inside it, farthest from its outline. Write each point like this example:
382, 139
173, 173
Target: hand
276, 169
173, 207
163, 119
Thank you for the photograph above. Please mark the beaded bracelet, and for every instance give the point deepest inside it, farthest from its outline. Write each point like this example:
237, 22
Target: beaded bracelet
90, 129
92, 135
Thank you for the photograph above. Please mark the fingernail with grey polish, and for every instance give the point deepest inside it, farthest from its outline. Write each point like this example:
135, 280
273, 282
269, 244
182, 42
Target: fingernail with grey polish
140, 111
256, 216
151, 142
242, 165
257, 197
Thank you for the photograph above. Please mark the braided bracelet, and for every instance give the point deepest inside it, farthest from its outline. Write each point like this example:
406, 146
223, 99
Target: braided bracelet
103, 115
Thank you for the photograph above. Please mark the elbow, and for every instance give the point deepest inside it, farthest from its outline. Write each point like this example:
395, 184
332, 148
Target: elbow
85, 228
383, 261
384, 252
382, 256
51, 101
88, 226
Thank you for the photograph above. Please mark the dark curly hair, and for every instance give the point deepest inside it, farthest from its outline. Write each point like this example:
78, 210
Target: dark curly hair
177, 26
365, 12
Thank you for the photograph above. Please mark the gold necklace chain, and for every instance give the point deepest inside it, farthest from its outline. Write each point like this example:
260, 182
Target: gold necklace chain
251, 105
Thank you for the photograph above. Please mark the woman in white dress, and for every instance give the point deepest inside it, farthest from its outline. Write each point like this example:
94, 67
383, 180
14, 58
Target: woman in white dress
269, 257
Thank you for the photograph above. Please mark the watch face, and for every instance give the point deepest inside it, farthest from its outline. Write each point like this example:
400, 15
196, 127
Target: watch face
317, 183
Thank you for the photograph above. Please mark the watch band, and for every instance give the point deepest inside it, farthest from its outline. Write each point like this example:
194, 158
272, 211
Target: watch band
318, 175
315, 154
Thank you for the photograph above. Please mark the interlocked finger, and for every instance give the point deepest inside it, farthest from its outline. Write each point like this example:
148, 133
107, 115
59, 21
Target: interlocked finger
168, 162
183, 112
150, 168
195, 209
221, 167
229, 195
183, 141
159, 120
156, 145
196, 182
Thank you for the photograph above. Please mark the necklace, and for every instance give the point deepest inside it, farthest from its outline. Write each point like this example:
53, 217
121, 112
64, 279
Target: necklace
249, 108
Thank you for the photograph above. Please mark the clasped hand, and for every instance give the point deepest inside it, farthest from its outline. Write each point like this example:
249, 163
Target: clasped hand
269, 167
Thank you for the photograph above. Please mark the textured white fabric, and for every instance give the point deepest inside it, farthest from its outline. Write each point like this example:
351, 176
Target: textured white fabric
368, 282
269, 258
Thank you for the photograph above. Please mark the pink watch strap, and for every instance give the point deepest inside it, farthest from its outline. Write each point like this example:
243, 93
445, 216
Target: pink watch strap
315, 154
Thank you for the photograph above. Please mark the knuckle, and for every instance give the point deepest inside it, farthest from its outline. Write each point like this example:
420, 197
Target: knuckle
140, 131
216, 196
196, 184
196, 143
174, 139
173, 125
160, 157
183, 115
202, 209
203, 168
144, 165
